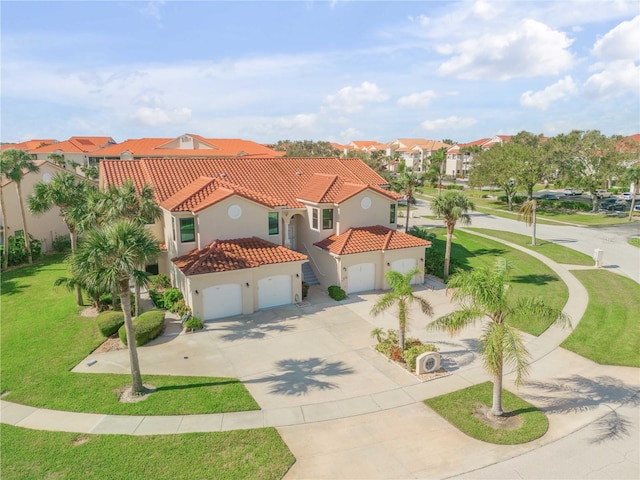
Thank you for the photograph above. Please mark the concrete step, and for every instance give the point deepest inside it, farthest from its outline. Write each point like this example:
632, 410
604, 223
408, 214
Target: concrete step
308, 275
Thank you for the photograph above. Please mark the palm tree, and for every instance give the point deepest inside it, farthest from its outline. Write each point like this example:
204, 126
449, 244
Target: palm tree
401, 293
484, 293
527, 213
109, 255
453, 206
4, 167
406, 183
632, 175
17, 163
70, 195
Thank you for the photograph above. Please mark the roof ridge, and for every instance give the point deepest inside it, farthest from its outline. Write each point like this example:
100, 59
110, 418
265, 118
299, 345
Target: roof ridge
346, 241
387, 239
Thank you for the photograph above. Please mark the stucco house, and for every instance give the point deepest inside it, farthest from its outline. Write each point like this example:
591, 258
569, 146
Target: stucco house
238, 230
76, 150
45, 227
415, 152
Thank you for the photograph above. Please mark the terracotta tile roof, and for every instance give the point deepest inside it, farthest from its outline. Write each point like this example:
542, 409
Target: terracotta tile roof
206, 191
227, 255
369, 239
27, 146
364, 144
75, 145
279, 178
324, 188
207, 147
40, 164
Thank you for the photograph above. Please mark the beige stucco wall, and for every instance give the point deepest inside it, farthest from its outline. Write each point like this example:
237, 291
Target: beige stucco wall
351, 214
44, 227
188, 285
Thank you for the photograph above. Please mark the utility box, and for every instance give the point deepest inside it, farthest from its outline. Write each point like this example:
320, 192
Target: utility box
598, 256
428, 362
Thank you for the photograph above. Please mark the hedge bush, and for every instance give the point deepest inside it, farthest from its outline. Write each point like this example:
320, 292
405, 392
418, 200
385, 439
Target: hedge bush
17, 251
159, 282
158, 298
410, 354
413, 348
109, 322
194, 323
146, 327
61, 243
454, 187
337, 293
171, 296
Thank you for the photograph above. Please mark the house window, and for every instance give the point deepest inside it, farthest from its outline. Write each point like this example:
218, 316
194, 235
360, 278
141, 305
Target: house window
327, 219
274, 223
314, 218
392, 213
173, 227
187, 230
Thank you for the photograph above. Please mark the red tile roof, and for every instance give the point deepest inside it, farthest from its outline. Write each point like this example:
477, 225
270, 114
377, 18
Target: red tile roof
26, 146
369, 239
228, 255
75, 145
325, 188
208, 147
278, 180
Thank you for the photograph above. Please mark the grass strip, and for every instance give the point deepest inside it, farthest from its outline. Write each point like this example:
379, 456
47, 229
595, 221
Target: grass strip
240, 454
459, 408
44, 337
555, 252
609, 332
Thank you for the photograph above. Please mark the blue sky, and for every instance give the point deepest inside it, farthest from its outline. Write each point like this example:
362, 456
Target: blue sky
323, 70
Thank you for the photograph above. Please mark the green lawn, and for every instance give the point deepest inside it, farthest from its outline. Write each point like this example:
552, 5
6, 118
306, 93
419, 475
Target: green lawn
635, 241
43, 337
529, 276
609, 332
555, 252
458, 409
242, 454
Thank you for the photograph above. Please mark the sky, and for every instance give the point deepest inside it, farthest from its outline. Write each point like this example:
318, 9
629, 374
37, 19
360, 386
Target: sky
320, 70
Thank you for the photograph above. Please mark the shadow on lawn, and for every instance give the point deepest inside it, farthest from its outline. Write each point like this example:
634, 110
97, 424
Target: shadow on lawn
299, 377
541, 279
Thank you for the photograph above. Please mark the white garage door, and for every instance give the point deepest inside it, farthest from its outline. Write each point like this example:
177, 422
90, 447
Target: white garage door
404, 266
361, 277
274, 291
222, 301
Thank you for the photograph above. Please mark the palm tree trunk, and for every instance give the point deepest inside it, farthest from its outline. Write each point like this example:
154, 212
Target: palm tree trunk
406, 225
636, 187
27, 242
125, 301
5, 239
137, 289
114, 296
496, 408
74, 244
534, 206
447, 252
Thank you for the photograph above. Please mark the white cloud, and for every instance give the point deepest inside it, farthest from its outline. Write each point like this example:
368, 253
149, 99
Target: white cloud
563, 88
449, 123
421, 99
155, 117
152, 9
531, 48
616, 78
620, 43
349, 135
352, 99
485, 10
302, 121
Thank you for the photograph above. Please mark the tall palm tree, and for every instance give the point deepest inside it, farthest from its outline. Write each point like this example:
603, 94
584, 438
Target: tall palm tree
19, 162
110, 255
69, 194
5, 165
401, 294
632, 175
528, 213
406, 183
484, 293
452, 206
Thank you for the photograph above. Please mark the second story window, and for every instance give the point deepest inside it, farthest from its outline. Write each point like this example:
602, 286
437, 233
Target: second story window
274, 223
327, 219
392, 213
187, 230
314, 218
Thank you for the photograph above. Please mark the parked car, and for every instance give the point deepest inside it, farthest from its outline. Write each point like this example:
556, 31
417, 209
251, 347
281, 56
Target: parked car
628, 196
602, 194
548, 196
605, 203
570, 191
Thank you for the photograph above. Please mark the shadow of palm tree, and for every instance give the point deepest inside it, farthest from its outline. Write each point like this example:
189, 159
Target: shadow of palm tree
453, 360
534, 279
250, 330
298, 377
198, 385
577, 393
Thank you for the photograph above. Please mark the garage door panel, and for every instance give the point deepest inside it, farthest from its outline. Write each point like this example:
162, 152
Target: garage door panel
274, 291
405, 266
222, 301
361, 277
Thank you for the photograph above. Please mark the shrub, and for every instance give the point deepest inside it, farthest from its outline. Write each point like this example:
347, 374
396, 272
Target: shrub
305, 289
146, 327
159, 282
179, 307
454, 187
171, 296
194, 323
421, 232
410, 354
61, 243
109, 322
17, 251
337, 293
516, 200
158, 299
